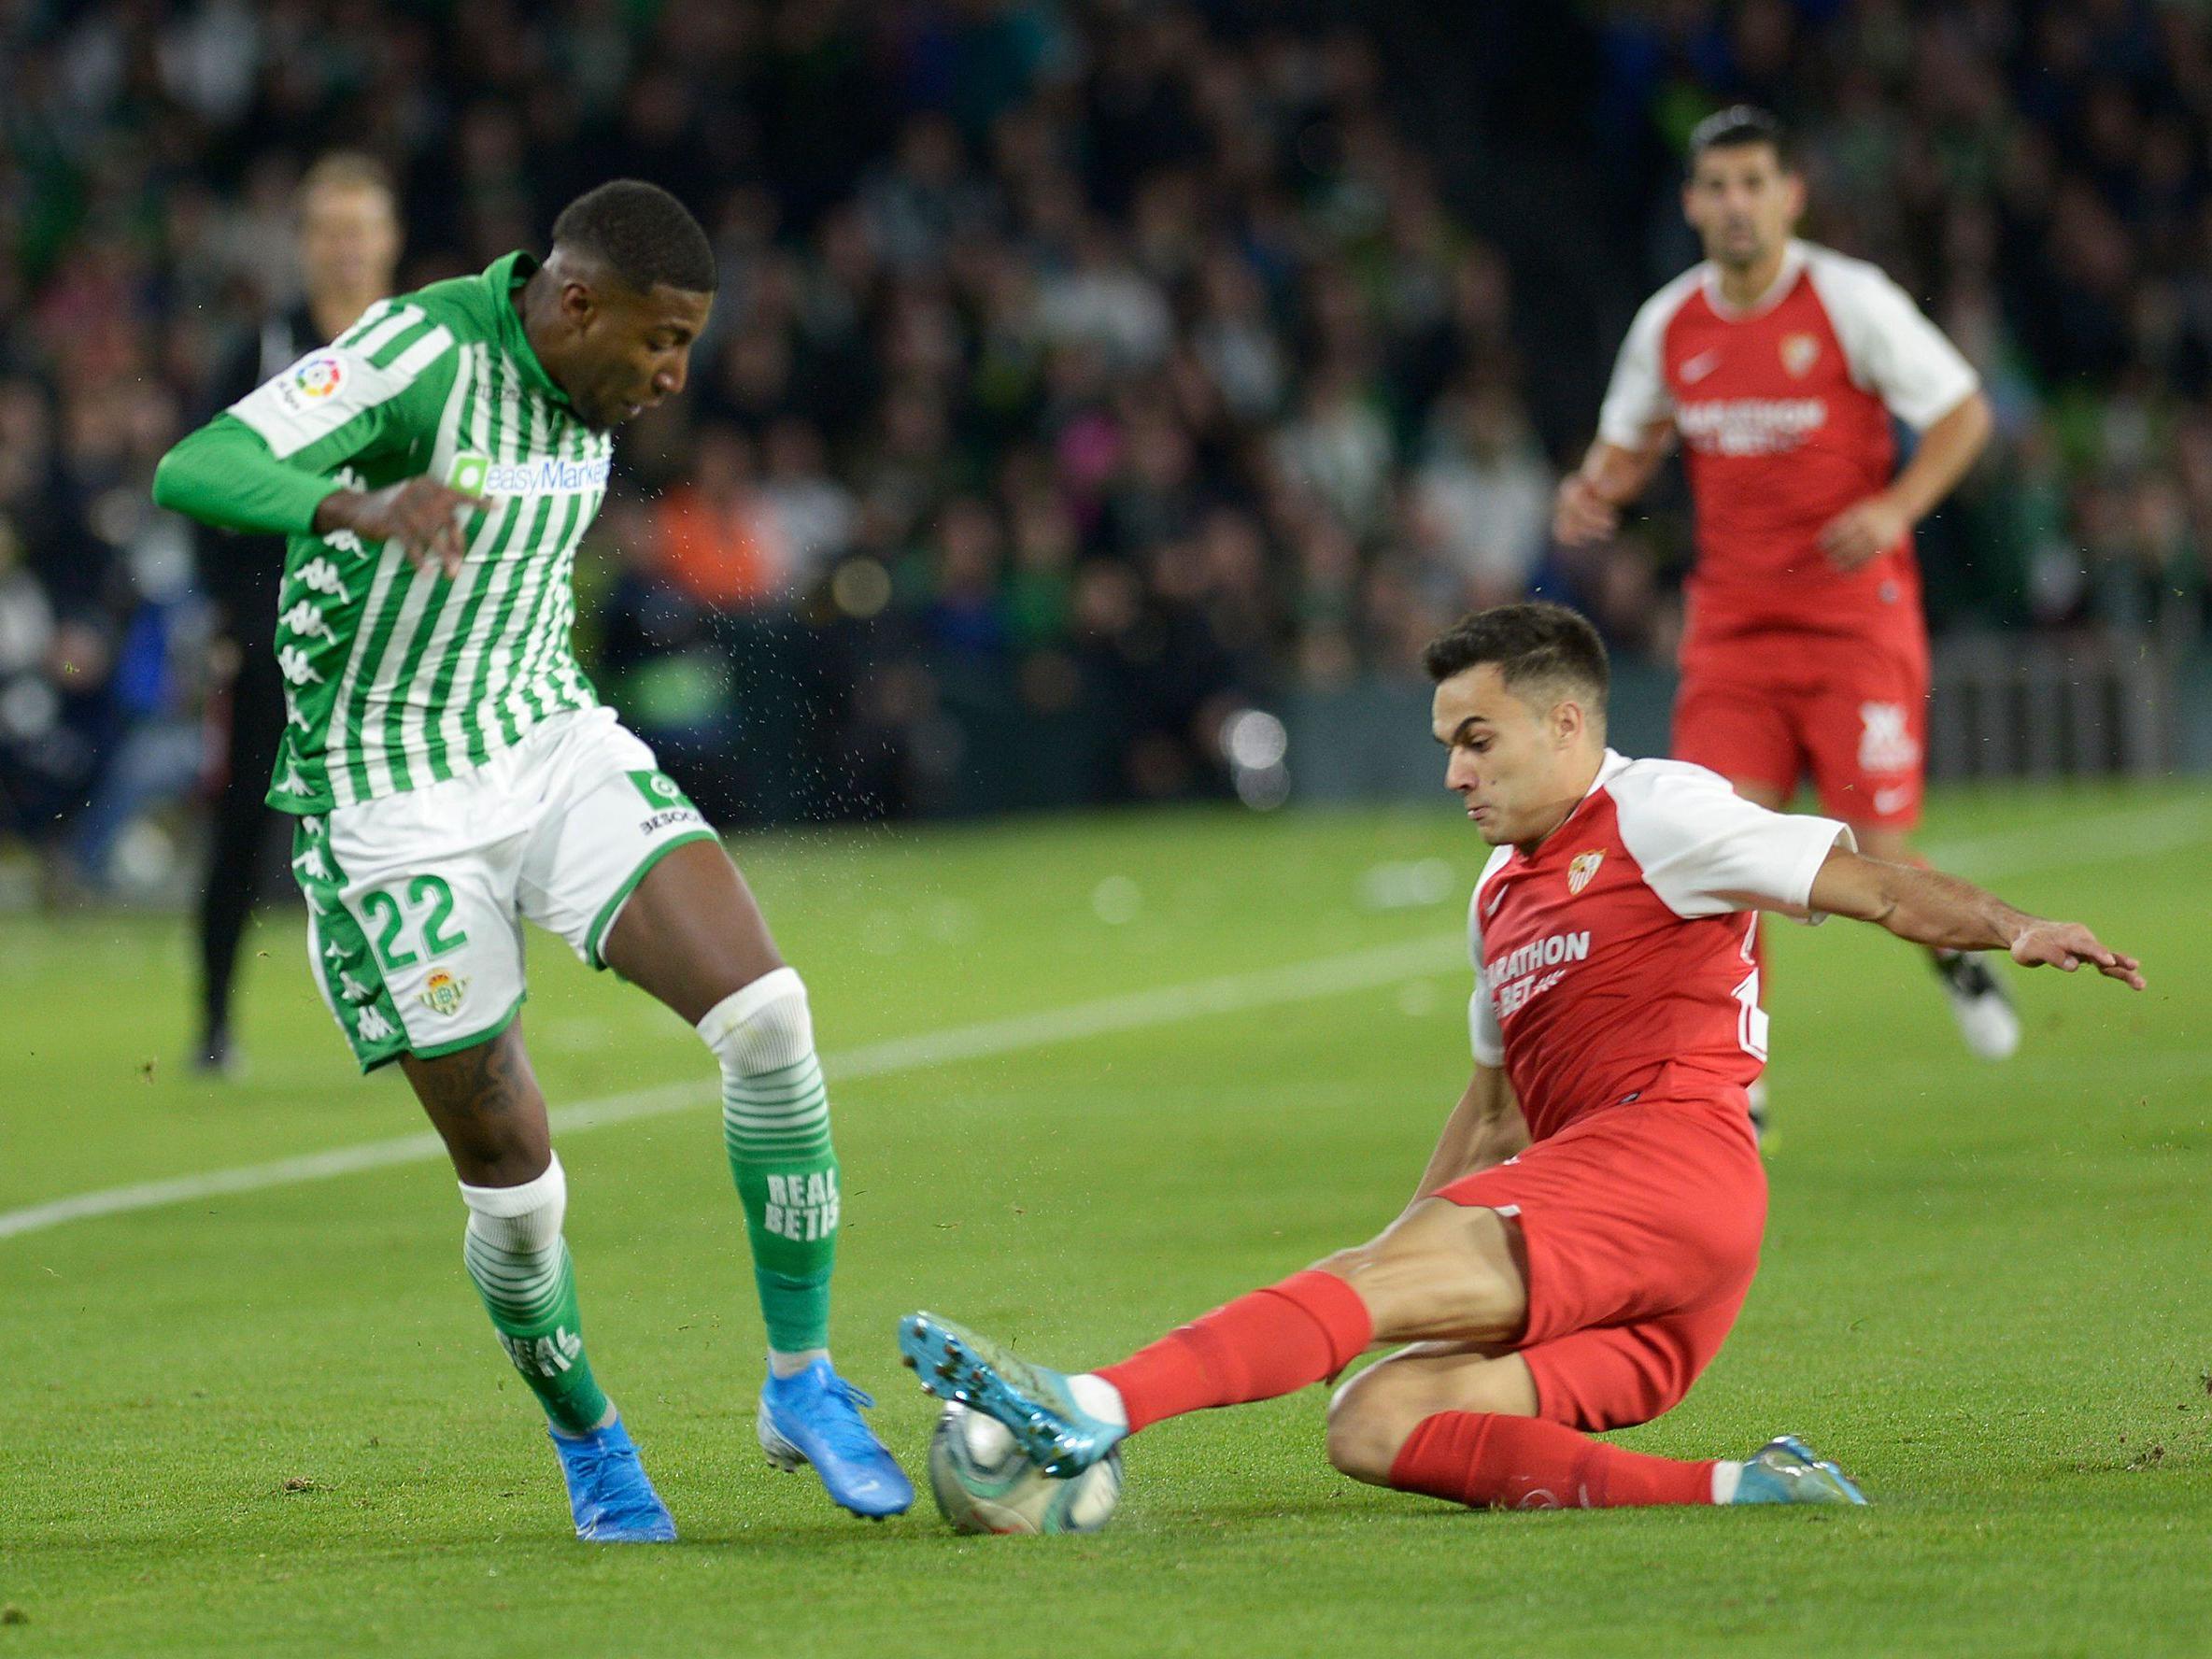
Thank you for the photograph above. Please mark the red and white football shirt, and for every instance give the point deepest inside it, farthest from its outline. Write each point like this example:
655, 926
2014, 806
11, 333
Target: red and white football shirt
1784, 411
1617, 947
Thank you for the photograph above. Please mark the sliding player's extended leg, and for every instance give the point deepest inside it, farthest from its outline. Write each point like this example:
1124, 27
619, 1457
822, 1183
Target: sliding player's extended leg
486, 1105
1978, 998
693, 936
1472, 1411
1442, 1271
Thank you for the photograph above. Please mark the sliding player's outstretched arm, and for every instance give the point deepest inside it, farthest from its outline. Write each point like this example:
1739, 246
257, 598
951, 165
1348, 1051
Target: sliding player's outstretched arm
1931, 908
1485, 1129
1705, 850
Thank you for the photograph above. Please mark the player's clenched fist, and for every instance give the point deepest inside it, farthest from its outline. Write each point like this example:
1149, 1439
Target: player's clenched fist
1581, 514
421, 515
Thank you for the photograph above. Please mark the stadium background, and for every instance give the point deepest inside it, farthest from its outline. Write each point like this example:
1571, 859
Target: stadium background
1087, 373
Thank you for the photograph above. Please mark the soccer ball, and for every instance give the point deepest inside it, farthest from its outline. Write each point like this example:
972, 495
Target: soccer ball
984, 1483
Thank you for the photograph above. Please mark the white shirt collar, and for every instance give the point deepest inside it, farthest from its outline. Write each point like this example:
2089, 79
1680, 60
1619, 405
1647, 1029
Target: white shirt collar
1607, 769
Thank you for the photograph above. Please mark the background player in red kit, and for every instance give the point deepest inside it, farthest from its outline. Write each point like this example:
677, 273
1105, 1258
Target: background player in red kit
1589, 1222
1781, 365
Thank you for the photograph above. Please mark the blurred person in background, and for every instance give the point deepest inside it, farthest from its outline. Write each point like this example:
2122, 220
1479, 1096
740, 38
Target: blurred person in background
348, 247
1782, 364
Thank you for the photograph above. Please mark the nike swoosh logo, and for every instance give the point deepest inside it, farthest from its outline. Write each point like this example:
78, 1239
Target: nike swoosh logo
1698, 367
1497, 898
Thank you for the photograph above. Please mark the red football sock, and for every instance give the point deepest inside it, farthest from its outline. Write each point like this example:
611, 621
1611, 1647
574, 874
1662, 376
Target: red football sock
1524, 1463
1271, 1342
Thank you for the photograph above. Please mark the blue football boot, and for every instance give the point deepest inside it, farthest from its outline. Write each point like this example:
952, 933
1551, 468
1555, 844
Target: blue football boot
1784, 1470
607, 1490
814, 1417
956, 1364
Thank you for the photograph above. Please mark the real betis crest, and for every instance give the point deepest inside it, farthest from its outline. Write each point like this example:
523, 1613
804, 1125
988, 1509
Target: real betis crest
1581, 869
443, 994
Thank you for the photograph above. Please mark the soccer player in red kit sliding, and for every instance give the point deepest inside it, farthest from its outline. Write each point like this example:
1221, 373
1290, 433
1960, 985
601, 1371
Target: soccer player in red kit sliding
1589, 1222
1781, 365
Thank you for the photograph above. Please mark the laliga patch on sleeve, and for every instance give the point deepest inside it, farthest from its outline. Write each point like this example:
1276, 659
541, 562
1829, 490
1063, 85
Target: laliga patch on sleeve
311, 382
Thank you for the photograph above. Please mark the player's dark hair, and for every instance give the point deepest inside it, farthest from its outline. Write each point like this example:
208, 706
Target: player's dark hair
1533, 643
1738, 125
643, 234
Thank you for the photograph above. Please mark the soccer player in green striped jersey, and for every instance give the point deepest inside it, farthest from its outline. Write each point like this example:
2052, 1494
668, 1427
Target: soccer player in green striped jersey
452, 773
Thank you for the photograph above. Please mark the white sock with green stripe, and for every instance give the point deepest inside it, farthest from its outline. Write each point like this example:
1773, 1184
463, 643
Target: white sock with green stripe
520, 1266
775, 1127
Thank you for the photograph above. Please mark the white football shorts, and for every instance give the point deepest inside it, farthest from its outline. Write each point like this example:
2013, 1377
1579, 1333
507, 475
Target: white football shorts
416, 901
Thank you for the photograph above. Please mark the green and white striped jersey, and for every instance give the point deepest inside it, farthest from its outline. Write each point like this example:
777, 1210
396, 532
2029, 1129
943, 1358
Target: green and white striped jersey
397, 677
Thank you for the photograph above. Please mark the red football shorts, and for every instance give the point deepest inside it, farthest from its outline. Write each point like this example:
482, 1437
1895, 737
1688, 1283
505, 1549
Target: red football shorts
1642, 1225
1852, 716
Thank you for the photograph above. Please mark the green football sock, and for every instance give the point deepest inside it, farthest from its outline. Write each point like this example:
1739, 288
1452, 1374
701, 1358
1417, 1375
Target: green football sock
776, 1127
520, 1264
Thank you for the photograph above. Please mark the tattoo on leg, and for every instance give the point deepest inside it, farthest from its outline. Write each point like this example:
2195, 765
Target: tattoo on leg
485, 1103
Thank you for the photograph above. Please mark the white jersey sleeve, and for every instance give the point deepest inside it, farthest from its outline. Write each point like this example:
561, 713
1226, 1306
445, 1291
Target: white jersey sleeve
1636, 398
1706, 850
357, 375
1484, 1036
1893, 350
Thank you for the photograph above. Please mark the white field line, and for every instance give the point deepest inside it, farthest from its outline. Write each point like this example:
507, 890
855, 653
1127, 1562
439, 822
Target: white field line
1990, 858
2062, 840
1295, 982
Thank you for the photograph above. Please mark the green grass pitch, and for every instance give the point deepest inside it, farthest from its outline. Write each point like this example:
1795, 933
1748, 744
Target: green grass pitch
273, 1421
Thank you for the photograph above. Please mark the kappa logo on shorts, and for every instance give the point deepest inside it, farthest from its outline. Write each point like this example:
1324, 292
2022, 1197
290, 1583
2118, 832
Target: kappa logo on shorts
1884, 743
443, 994
1581, 869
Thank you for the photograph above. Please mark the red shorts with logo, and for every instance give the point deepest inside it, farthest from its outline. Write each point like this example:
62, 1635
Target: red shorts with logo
1853, 715
1642, 1225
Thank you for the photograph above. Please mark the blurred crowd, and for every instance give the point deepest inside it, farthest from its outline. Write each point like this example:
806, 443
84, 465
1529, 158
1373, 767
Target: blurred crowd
1084, 372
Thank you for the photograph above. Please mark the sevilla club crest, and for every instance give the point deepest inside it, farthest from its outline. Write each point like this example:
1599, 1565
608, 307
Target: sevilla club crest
1581, 869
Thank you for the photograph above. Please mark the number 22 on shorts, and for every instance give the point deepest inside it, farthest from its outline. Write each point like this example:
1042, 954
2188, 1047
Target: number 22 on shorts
430, 907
